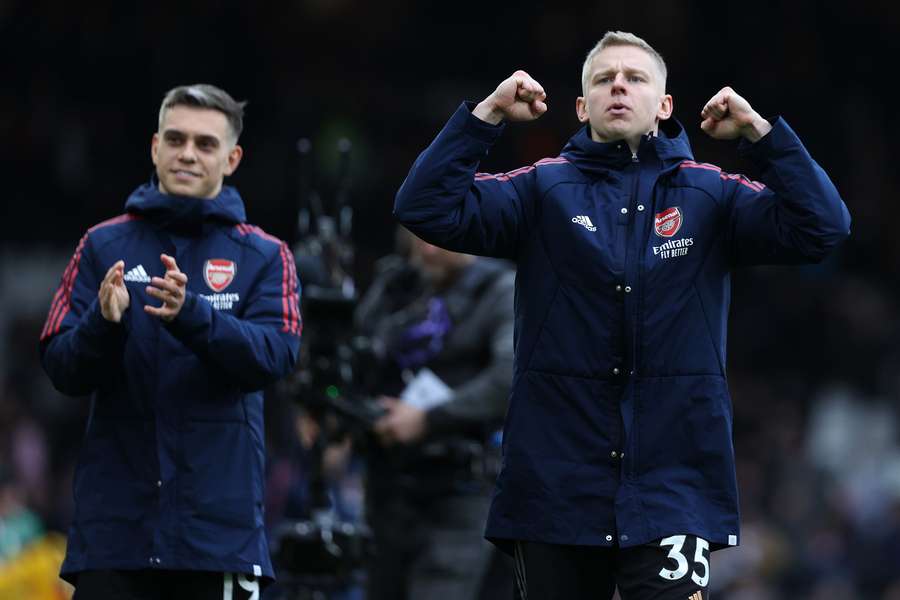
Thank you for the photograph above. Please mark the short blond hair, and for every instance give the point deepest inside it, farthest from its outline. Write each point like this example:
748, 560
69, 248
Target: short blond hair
620, 38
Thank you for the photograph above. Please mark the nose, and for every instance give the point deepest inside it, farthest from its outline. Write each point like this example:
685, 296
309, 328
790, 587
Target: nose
188, 152
618, 84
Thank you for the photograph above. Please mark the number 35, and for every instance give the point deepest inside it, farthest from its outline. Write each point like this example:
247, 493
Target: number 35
677, 542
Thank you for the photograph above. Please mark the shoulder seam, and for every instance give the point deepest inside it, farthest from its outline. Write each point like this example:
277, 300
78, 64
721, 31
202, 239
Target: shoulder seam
741, 179
558, 160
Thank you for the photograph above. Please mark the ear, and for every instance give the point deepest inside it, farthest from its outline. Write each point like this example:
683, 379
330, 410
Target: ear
234, 159
581, 109
154, 148
666, 106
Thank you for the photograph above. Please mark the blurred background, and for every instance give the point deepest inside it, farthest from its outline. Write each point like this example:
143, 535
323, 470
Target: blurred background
814, 352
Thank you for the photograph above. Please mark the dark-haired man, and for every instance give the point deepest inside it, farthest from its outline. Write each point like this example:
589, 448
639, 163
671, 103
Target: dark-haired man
173, 317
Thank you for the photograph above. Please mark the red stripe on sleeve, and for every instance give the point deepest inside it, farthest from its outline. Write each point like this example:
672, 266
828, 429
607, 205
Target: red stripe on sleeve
285, 301
292, 285
295, 299
63, 297
290, 308
57, 297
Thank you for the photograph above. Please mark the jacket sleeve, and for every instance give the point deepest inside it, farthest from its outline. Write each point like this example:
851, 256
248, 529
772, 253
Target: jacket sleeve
481, 402
796, 217
262, 346
445, 202
77, 344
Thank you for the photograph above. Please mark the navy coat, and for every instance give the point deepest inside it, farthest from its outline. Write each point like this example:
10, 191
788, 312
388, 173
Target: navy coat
619, 430
170, 475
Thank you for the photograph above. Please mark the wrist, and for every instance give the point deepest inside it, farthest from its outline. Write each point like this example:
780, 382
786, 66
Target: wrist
111, 315
487, 111
757, 129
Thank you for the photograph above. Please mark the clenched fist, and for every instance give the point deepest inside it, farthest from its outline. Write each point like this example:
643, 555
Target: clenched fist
517, 98
727, 116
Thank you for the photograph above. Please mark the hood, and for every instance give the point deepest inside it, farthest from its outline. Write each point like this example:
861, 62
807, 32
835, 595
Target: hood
172, 210
670, 146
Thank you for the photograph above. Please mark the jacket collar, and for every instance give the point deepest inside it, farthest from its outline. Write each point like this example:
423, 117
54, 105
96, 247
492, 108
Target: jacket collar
669, 147
172, 210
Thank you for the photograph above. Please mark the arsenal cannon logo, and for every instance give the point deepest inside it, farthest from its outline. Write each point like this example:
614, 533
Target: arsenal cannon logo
668, 222
218, 273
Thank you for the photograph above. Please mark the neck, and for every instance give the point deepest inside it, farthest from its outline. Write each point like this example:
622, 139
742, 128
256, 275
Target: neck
164, 191
634, 142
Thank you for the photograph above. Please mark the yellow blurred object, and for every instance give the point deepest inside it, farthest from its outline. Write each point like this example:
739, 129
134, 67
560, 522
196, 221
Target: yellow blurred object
34, 573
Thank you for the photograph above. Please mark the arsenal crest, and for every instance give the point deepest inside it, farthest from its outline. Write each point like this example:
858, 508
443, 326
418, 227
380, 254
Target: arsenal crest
218, 273
668, 222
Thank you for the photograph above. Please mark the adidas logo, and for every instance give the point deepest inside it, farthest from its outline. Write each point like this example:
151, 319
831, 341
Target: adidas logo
586, 221
137, 274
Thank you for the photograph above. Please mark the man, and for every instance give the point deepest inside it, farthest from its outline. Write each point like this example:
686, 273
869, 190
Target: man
442, 323
618, 460
174, 317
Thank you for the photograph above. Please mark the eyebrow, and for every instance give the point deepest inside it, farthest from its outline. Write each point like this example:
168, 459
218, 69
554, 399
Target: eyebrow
200, 138
626, 70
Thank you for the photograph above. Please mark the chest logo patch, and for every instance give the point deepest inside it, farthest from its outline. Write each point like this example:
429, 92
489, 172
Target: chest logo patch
218, 273
668, 222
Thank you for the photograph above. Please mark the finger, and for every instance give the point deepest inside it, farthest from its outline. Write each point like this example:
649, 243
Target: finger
520, 76
532, 87
714, 109
531, 90
166, 297
117, 268
160, 311
170, 286
525, 81
538, 108
178, 276
169, 263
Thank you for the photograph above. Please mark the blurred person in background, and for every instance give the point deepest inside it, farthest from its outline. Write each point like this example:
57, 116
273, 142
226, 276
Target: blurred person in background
29, 556
173, 317
442, 324
618, 464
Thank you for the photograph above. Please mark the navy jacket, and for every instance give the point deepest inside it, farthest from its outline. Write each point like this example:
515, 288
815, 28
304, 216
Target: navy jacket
619, 429
170, 475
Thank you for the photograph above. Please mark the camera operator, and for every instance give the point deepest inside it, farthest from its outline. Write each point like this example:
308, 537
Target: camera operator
442, 324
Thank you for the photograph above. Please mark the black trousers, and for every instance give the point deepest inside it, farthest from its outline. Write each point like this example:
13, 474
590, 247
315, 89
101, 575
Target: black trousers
673, 568
165, 585
430, 550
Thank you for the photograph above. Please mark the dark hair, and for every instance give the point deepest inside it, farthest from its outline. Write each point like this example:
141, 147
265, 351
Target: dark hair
203, 95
